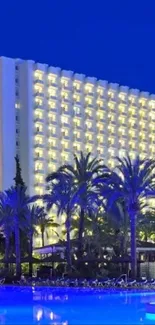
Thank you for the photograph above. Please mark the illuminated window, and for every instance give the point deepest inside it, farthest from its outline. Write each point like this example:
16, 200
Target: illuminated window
111, 151
111, 94
52, 129
38, 74
132, 121
77, 122
76, 98
38, 165
52, 116
39, 101
38, 127
39, 140
77, 146
52, 154
100, 115
17, 105
65, 107
122, 119
100, 91
65, 156
39, 178
132, 132
142, 124
142, 101
89, 136
89, 112
132, 144
111, 140
76, 85
122, 153
152, 104
38, 88
52, 104
89, 124
52, 92
122, 96
100, 126
39, 153
100, 138
100, 150
77, 135
89, 148
65, 95
77, 110
111, 117
111, 128
65, 132
52, 141
88, 88
99, 103
142, 146
52, 78
122, 131
88, 100
38, 114
64, 82
64, 119
65, 144
122, 108
111, 105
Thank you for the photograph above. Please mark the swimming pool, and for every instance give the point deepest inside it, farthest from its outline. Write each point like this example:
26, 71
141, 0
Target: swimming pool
71, 306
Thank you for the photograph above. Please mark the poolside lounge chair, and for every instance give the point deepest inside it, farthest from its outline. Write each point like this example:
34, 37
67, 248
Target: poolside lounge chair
2, 280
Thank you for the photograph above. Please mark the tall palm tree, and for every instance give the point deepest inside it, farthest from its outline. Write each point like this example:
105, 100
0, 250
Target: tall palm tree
18, 201
60, 193
33, 214
85, 196
133, 182
44, 223
6, 223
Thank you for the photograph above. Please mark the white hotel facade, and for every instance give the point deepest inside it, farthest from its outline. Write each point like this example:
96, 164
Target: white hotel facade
47, 114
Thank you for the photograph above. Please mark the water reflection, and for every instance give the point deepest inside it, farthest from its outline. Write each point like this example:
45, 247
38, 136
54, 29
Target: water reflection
74, 307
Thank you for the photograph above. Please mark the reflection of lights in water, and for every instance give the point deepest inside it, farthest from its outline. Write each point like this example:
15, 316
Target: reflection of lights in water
65, 323
51, 315
150, 316
39, 314
150, 311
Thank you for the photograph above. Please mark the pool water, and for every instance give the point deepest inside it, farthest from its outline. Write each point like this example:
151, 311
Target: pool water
71, 306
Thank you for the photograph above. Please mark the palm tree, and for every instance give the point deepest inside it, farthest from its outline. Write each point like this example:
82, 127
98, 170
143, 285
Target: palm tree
60, 193
44, 223
18, 201
132, 182
85, 196
33, 214
6, 223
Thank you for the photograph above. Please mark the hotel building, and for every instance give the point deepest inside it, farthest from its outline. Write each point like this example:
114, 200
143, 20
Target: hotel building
47, 114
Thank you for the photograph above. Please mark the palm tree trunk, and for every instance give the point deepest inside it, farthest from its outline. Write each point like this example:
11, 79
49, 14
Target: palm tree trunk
80, 239
30, 255
7, 242
17, 248
42, 237
133, 245
68, 244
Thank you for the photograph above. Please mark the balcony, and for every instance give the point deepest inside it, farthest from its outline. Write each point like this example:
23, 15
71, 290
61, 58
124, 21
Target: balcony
38, 119
36, 158
38, 132
39, 145
38, 81
39, 94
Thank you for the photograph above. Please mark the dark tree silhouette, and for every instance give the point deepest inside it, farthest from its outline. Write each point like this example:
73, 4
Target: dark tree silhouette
18, 178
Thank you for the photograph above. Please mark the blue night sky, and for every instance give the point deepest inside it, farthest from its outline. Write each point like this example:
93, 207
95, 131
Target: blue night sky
101, 38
